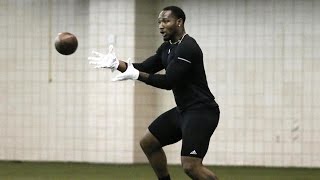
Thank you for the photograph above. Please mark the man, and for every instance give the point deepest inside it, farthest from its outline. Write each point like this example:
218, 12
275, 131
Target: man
197, 114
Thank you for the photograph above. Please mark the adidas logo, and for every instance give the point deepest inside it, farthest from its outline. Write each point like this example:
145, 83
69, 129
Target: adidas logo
193, 152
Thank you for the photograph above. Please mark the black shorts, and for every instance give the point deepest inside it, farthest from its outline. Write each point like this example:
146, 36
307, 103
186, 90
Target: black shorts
194, 127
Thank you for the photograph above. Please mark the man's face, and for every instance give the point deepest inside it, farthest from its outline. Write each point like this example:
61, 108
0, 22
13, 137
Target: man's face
168, 25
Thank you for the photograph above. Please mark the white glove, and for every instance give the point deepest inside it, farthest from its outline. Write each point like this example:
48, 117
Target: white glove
104, 60
130, 73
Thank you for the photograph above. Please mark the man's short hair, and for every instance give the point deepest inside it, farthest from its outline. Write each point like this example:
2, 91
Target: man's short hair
176, 11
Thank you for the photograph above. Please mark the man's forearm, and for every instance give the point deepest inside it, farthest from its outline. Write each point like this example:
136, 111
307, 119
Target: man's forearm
143, 76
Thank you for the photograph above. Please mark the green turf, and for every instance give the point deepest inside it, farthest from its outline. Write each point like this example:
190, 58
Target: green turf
84, 171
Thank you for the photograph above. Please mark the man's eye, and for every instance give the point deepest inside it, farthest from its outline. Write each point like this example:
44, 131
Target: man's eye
163, 21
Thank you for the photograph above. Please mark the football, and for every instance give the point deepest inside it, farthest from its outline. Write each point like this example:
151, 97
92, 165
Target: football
66, 43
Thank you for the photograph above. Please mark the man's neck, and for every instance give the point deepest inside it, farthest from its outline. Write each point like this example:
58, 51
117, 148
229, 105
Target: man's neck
178, 38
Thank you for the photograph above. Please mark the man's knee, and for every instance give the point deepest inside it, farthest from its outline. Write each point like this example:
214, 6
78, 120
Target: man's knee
191, 165
149, 143
193, 168
189, 169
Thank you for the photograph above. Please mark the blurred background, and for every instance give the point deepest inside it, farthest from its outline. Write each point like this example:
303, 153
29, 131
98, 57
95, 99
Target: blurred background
261, 57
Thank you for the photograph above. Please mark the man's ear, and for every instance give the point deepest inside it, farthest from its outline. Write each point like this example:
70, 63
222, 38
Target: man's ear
180, 22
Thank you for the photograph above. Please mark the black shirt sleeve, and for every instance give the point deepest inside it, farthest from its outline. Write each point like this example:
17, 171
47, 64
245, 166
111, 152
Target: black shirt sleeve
177, 70
152, 64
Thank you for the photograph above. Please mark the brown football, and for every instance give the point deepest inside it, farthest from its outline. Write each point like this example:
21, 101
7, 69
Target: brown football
66, 43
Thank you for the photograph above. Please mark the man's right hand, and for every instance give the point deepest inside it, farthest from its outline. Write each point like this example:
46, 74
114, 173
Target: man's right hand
104, 60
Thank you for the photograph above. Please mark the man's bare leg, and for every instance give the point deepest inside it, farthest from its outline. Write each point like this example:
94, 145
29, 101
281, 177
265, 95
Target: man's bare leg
194, 168
155, 154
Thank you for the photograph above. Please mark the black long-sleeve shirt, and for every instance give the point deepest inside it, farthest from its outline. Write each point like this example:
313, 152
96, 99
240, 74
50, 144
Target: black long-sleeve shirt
185, 74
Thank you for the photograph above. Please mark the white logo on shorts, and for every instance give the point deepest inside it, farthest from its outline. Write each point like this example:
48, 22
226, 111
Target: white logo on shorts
194, 152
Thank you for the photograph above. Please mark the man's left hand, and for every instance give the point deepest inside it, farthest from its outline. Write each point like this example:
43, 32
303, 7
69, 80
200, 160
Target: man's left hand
131, 73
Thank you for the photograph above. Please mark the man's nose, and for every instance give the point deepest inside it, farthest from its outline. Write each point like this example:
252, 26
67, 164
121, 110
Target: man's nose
161, 25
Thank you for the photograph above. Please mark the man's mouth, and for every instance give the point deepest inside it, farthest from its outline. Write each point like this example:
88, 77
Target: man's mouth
162, 33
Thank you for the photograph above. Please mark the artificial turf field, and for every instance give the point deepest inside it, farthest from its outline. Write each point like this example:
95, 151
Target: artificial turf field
85, 171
